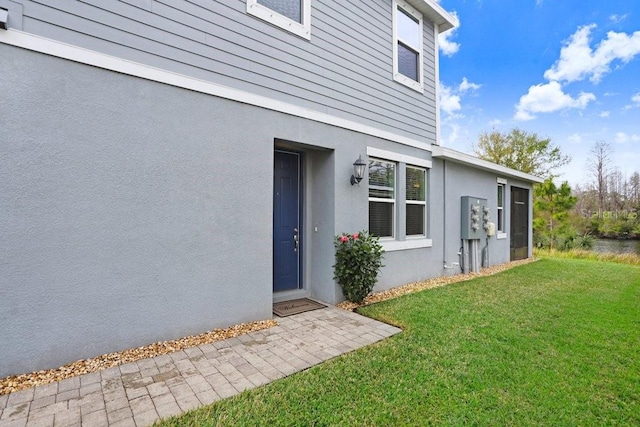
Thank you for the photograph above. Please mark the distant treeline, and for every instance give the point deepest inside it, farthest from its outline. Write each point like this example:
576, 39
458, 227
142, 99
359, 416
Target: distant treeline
610, 207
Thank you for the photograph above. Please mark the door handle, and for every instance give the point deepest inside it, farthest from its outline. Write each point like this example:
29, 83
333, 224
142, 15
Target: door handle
296, 241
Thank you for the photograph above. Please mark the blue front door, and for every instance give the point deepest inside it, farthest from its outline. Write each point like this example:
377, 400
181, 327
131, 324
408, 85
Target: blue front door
286, 221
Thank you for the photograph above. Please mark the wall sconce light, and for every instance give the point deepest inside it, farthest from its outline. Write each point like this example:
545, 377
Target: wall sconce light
358, 171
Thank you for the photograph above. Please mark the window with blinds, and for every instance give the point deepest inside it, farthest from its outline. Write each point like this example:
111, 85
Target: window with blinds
408, 45
500, 208
416, 201
382, 198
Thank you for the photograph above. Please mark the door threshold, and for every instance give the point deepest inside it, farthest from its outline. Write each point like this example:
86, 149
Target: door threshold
281, 296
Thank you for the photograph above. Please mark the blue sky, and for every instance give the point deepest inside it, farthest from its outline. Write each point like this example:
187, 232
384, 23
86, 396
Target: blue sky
568, 70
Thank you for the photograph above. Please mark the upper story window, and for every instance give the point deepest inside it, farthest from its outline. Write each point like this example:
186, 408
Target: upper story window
382, 197
290, 15
407, 45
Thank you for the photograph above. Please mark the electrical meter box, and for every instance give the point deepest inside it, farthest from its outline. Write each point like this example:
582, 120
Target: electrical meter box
475, 218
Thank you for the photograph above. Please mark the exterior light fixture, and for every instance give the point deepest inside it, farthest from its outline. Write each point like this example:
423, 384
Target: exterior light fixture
358, 171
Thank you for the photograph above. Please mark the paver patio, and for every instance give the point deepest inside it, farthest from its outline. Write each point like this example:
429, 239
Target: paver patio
139, 393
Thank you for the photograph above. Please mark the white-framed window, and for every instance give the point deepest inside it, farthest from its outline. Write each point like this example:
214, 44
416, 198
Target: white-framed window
398, 212
407, 45
500, 226
416, 202
290, 15
382, 198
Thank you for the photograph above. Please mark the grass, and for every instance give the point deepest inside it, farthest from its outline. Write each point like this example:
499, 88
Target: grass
627, 258
556, 342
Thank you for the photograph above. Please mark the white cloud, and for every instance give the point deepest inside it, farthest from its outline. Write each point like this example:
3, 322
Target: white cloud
618, 18
465, 85
636, 98
451, 97
604, 114
453, 135
623, 138
495, 123
579, 61
449, 102
575, 138
447, 46
547, 98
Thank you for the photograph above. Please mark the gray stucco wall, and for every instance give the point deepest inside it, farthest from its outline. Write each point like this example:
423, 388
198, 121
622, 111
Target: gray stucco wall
344, 208
448, 182
458, 180
133, 212
123, 207
344, 70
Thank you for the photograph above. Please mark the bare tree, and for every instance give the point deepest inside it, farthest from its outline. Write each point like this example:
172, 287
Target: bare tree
598, 166
634, 189
587, 202
615, 189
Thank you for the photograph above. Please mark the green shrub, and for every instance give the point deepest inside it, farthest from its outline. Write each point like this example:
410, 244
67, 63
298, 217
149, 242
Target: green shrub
358, 262
541, 240
566, 240
585, 241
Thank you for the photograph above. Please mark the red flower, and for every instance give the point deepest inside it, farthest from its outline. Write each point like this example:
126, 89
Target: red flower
344, 239
355, 236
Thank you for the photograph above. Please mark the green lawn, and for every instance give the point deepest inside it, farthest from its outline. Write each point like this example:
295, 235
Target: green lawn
555, 342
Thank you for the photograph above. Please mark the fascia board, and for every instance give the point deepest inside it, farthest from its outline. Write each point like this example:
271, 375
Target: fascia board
472, 161
84, 56
435, 13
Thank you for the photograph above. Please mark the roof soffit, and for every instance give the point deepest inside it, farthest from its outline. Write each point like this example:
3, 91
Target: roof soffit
475, 162
435, 13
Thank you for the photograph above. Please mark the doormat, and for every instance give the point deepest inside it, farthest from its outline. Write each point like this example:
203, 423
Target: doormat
296, 306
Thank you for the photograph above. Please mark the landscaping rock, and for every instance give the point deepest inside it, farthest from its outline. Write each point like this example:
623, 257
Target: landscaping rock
20, 382
431, 283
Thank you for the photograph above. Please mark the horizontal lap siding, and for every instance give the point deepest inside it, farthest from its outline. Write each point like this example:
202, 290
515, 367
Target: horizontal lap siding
344, 70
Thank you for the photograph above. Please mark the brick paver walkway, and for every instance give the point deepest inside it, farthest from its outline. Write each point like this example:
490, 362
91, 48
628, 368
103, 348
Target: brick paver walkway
139, 393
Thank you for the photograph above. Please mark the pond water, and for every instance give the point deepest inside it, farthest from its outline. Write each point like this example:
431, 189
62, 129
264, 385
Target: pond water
617, 246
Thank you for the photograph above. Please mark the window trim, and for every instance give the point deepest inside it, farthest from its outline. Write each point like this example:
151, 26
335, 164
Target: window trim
401, 245
417, 202
501, 234
301, 29
392, 156
402, 161
397, 76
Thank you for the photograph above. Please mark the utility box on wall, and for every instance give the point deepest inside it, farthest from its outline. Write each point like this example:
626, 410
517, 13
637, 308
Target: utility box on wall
474, 214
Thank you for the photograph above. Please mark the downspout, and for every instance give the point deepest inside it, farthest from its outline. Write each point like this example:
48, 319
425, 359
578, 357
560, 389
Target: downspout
444, 224
485, 255
436, 32
444, 213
